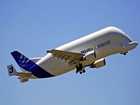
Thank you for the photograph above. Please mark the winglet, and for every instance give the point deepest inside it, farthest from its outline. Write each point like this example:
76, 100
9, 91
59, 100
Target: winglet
11, 70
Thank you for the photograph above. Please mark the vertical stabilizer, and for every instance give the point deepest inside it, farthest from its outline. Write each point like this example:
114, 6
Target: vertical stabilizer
30, 66
22, 60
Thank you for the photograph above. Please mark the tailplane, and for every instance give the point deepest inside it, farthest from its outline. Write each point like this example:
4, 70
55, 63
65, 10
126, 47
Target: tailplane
24, 77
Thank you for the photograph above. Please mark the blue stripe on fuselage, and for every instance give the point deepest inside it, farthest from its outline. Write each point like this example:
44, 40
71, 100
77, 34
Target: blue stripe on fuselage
39, 72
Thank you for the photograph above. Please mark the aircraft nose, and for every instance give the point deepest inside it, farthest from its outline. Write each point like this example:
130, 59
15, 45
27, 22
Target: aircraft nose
133, 44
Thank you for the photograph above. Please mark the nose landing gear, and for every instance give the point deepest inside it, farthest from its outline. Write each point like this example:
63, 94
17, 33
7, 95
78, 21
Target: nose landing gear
124, 53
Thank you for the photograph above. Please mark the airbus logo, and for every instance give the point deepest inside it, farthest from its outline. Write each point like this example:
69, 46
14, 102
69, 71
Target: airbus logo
23, 60
96, 47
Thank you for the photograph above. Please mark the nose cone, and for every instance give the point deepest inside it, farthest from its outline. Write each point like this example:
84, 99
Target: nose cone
136, 43
133, 44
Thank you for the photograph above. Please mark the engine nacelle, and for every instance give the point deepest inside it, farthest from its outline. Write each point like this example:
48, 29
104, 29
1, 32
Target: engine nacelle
99, 63
90, 55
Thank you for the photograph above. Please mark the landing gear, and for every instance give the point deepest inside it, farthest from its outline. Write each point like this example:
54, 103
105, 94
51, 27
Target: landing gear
80, 72
84, 71
124, 53
80, 68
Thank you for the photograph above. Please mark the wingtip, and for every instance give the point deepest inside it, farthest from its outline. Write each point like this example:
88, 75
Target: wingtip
48, 51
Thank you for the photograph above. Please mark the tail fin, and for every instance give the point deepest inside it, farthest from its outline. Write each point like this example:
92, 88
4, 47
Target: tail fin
22, 60
33, 60
30, 66
11, 70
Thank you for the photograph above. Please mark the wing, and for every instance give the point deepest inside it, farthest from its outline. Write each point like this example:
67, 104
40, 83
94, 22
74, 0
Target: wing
70, 57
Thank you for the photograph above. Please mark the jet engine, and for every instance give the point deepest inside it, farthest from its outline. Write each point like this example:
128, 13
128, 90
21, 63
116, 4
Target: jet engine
89, 56
99, 63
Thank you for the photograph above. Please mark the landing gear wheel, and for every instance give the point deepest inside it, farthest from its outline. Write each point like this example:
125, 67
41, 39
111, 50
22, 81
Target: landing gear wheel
84, 71
80, 72
124, 53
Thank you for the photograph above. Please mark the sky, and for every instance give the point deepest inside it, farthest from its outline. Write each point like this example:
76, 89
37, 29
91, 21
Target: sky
35, 26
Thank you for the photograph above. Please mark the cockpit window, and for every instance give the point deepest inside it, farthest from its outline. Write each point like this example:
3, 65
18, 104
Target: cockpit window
130, 40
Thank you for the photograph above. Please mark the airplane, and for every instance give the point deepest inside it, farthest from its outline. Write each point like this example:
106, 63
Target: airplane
88, 51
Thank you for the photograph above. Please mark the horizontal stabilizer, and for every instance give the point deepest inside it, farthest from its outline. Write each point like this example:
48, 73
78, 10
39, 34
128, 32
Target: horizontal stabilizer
22, 79
23, 76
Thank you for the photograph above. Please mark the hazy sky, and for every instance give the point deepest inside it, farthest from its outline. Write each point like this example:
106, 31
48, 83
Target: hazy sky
35, 26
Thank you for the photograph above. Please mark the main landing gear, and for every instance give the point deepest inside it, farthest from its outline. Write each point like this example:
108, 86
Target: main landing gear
80, 69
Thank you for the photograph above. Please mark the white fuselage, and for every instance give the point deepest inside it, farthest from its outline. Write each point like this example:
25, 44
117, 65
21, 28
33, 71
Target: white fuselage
105, 42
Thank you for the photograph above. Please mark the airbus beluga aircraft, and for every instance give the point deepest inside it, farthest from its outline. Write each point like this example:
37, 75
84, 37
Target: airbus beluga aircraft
89, 51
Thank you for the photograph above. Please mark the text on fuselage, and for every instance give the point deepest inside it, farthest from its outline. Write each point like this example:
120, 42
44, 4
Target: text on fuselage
96, 47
